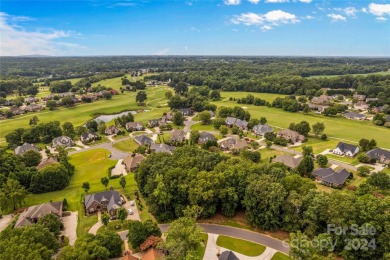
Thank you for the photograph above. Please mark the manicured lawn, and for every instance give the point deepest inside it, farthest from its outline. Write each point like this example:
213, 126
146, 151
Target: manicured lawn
128, 145
360, 74
240, 246
318, 145
225, 95
161, 138
201, 248
335, 127
201, 127
280, 256
352, 161
81, 113
91, 166
268, 153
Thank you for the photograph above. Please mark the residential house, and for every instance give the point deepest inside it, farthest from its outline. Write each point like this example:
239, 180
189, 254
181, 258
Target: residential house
227, 255
108, 201
177, 136
186, 111
157, 122
112, 130
60, 95
329, 177
354, 115
143, 140
381, 155
31, 100
361, 105
33, 108
132, 162
371, 99
290, 135
321, 100
62, 141
359, 97
212, 113
205, 137
376, 110
89, 137
232, 121
319, 108
32, 214
168, 116
134, 126
21, 149
17, 111
46, 162
161, 148
388, 118
349, 150
233, 144
152, 254
262, 129
288, 160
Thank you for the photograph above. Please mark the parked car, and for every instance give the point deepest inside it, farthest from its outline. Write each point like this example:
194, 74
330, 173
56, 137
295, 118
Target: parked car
131, 212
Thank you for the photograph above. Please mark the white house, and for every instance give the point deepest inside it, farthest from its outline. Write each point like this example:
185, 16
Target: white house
349, 150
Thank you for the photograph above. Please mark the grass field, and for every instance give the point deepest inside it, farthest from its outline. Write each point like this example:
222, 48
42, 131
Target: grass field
91, 166
335, 127
280, 256
268, 153
359, 74
81, 113
318, 145
128, 145
240, 246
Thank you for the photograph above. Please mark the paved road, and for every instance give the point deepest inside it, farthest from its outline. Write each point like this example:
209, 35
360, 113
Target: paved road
234, 232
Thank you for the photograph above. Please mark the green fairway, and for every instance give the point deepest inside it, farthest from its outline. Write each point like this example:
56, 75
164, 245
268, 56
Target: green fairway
280, 256
225, 95
359, 74
81, 113
335, 127
240, 246
318, 145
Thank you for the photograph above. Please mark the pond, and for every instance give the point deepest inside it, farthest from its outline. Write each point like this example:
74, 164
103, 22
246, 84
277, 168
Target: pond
108, 118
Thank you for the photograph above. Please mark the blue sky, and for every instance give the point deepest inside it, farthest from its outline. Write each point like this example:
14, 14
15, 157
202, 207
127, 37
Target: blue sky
195, 27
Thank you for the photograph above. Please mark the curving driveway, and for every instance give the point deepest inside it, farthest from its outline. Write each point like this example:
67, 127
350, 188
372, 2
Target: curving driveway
234, 232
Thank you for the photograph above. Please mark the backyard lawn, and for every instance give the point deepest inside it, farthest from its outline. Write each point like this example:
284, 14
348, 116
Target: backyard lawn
91, 166
280, 256
201, 248
240, 246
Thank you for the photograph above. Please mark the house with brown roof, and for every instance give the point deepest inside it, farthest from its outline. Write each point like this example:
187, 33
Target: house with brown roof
288, 160
290, 135
132, 162
108, 201
321, 100
46, 162
17, 111
177, 136
134, 126
112, 130
152, 254
361, 105
33, 108
157, 122
359, 97
32, 214
233, 143
232, 121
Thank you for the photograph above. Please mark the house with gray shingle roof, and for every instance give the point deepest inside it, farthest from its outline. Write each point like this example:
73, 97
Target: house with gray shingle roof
32, 214
20, 150
381, 155
143, 140
290, 135
228, 255
349, 150
62, 141
112, 130
161, 148
288, 160
108, 201
205, 137
134, 126
329, 177
232, 121
185, 111
354, 115
262, 129
233, 143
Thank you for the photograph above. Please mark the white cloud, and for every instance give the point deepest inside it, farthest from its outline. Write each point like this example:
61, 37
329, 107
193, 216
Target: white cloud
123, 5
350, 11
254, 1
309, 17
162, 52
276, 1
379, 9
232, 2
267, 21
16, 40
337, 17
381, 18
364, 10
305, 1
